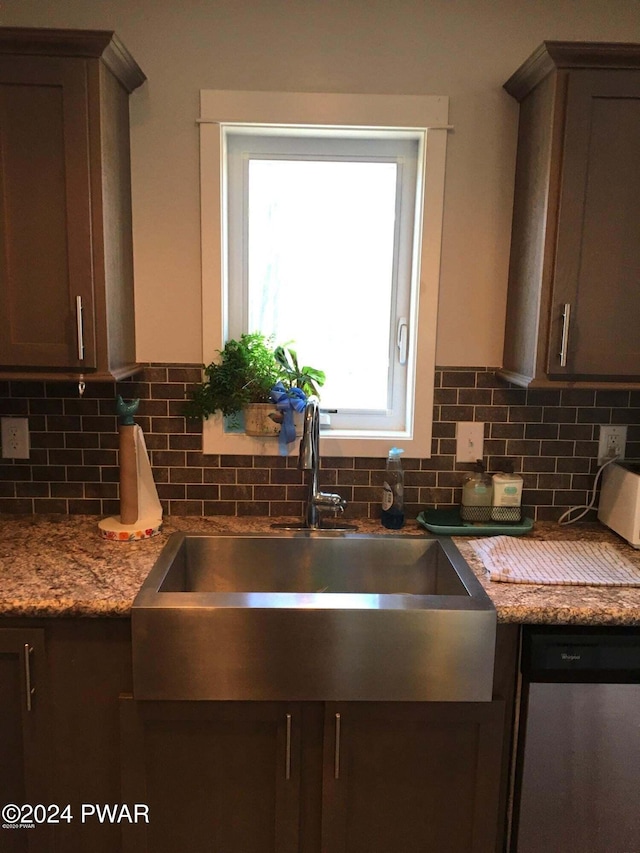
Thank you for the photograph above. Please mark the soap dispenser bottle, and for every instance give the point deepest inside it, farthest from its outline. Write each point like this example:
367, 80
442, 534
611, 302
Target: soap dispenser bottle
477, 490
392, 515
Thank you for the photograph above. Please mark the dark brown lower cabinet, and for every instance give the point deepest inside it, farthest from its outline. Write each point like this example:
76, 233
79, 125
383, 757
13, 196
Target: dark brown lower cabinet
242, 777
24, 763
216, 776
239, 777
416, 777
64, 750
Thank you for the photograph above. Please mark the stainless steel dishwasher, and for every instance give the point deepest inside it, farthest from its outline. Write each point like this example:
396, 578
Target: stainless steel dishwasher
577, 781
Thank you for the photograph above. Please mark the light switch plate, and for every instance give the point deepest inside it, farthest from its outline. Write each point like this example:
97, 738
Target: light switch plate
15, 438
469, 441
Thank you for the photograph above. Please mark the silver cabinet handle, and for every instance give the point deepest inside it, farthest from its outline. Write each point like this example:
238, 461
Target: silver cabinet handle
564, 343
29, 690
287, 754
80, 328
336, 754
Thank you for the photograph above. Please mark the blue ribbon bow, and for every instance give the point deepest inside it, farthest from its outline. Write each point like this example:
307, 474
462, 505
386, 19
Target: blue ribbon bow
288, 401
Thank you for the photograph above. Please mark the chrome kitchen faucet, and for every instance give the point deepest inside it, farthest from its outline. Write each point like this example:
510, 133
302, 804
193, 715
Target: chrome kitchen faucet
309, 460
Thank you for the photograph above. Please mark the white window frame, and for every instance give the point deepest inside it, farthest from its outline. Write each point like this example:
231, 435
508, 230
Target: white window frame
244, 144
427, 116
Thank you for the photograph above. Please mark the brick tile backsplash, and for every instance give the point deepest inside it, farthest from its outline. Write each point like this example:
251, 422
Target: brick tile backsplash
551, 435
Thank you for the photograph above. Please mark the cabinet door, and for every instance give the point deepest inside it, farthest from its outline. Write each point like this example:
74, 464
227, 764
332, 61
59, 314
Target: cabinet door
46, 285
595, 312
411, 777
217, 777
23, 762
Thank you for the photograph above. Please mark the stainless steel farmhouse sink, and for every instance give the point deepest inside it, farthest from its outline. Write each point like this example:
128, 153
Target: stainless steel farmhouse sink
312, 616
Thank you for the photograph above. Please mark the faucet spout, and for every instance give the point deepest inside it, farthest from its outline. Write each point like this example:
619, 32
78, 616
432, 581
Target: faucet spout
309, 460
309, 444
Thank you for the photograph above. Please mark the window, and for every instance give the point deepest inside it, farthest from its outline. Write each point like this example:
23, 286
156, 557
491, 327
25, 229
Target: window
321, 221
320, 236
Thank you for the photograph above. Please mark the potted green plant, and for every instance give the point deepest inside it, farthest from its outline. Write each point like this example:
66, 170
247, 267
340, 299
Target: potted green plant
242, 377
308, 379
290, 393
268, 386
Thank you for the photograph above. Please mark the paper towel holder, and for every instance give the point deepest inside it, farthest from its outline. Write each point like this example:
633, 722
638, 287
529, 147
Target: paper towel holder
140, 508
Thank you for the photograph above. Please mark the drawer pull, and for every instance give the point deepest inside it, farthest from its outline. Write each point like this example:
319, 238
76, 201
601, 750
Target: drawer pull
80, 328
29, 690
336, 755
564, 343
287, 756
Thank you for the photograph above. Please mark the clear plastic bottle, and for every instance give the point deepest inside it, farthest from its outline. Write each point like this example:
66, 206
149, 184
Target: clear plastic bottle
393, 492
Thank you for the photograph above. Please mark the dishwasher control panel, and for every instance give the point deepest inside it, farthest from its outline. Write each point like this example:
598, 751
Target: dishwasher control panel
581, 654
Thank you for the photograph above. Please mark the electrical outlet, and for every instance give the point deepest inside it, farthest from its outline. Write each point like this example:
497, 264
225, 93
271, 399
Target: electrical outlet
469, 441
15, 438
613, 440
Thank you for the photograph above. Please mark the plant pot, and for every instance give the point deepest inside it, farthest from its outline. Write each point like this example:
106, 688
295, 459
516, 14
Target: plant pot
263, 419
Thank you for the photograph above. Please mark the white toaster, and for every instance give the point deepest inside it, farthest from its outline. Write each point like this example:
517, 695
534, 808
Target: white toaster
619, 506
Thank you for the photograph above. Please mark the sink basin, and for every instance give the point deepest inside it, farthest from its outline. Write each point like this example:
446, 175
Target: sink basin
312, 616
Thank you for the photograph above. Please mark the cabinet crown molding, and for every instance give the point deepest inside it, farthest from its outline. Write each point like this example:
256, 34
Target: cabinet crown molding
553, 55
87, 44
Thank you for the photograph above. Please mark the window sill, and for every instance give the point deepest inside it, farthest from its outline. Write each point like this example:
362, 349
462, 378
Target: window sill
333, 443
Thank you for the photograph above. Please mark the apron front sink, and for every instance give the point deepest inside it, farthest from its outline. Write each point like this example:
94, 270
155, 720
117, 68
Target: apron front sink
312, 616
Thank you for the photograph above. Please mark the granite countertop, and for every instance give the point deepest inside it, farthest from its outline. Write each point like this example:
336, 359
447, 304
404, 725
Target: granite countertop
562, 605
59, 566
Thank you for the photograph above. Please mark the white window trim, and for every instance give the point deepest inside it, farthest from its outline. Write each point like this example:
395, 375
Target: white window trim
425, 114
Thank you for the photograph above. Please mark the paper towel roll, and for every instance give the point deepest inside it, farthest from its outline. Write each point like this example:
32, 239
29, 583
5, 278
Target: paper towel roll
129, 475
149, 505
138, 493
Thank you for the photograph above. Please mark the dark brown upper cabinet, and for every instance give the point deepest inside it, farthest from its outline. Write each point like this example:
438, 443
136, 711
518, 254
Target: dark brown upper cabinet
66, 258
573, 306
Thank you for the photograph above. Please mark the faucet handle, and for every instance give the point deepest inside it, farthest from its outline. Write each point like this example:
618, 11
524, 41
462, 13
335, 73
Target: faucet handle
330, 500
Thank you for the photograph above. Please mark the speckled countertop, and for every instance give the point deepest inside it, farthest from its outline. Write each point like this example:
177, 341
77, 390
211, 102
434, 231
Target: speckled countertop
59, 566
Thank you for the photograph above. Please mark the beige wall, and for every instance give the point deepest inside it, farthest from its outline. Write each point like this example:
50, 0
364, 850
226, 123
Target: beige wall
462, 48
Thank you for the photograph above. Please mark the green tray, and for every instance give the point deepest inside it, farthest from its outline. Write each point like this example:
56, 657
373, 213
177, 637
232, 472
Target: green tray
447, 522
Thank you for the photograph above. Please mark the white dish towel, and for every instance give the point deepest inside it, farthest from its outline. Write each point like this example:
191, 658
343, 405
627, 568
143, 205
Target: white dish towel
513, 560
